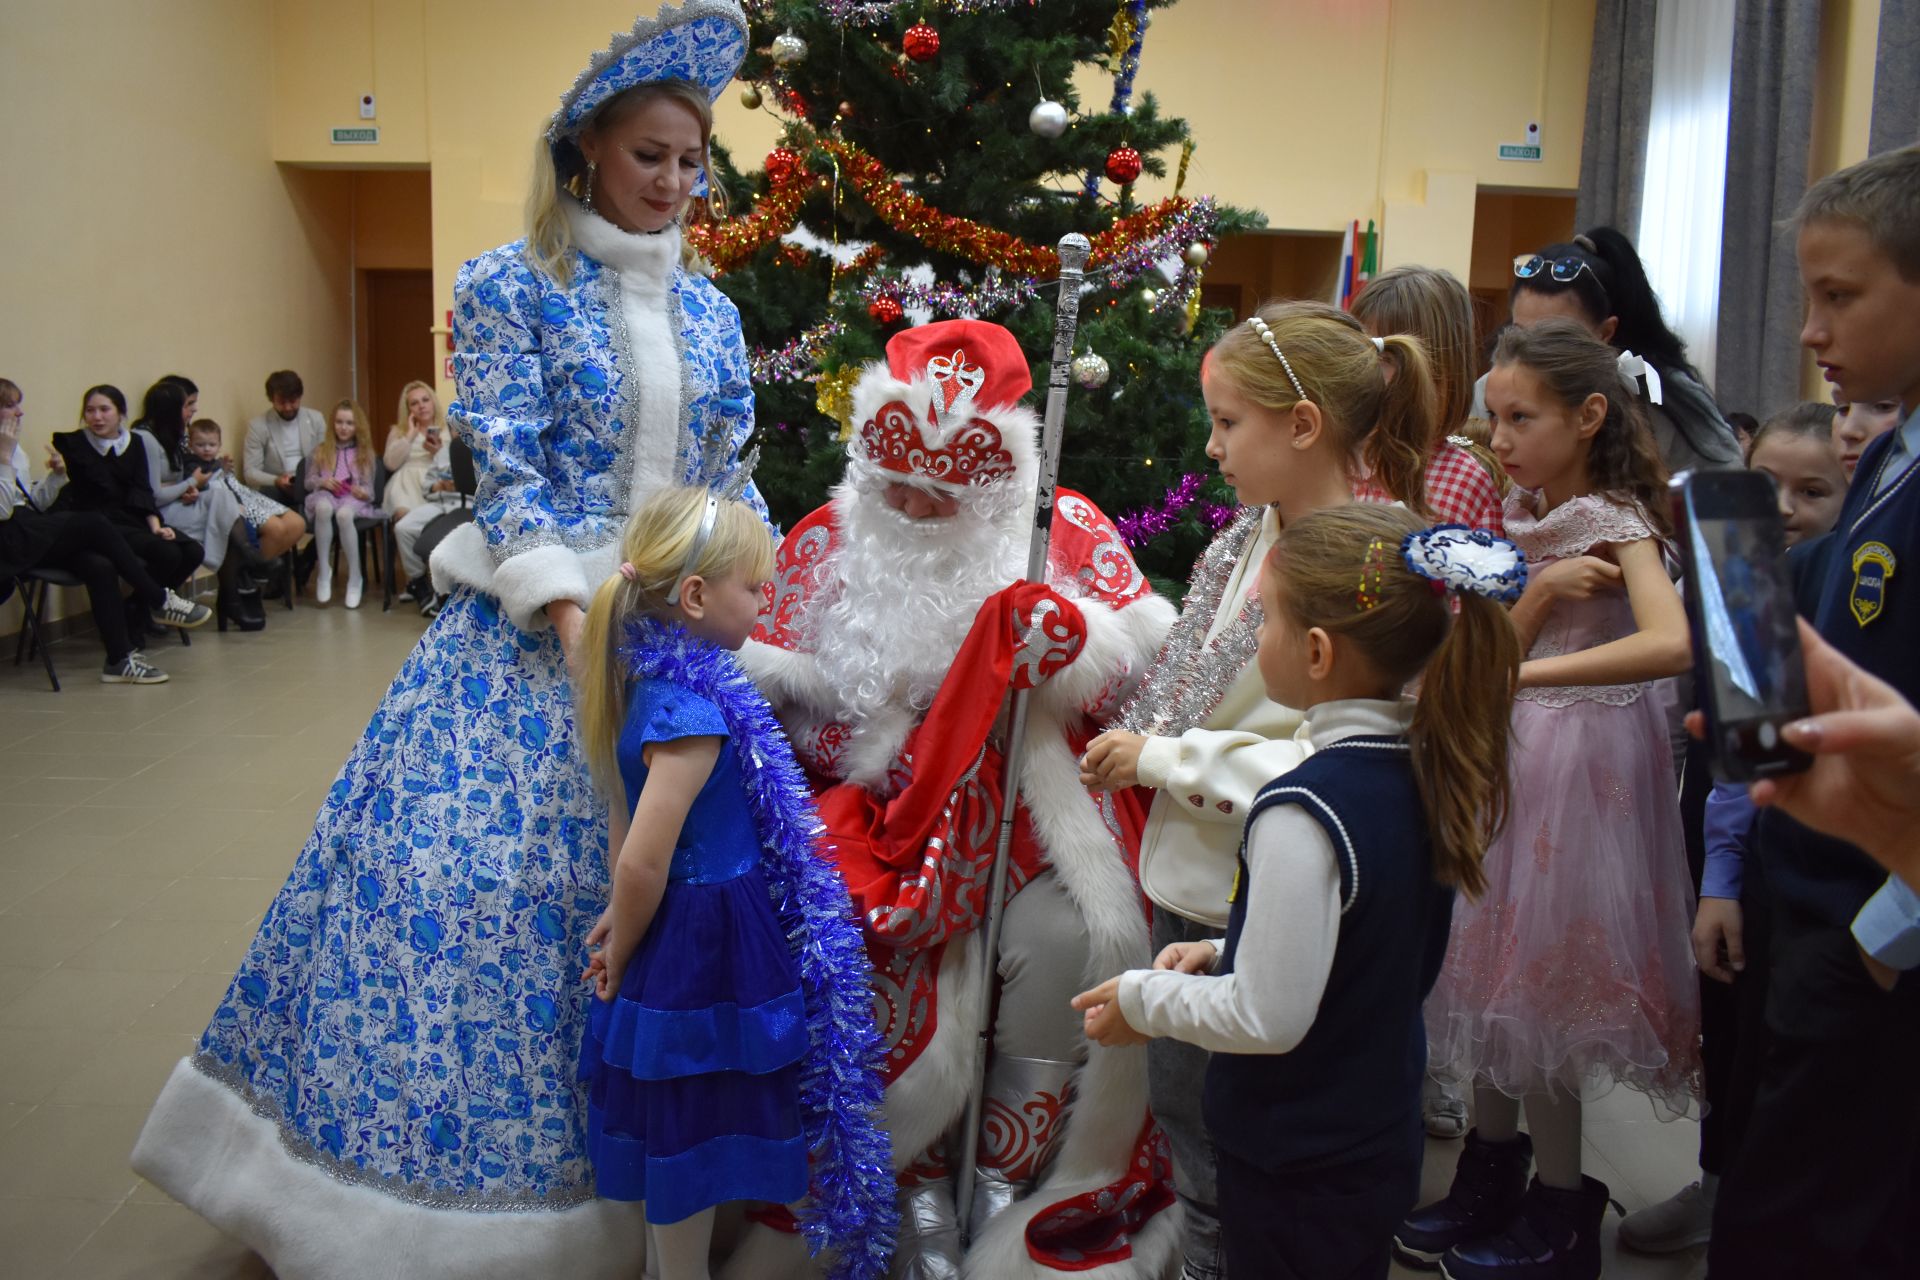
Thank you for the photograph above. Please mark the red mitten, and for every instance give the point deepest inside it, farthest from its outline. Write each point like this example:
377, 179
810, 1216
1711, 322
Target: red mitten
1048, 633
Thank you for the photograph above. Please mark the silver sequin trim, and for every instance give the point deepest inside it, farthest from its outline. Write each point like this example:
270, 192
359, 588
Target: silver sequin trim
353, 1175
1190, 676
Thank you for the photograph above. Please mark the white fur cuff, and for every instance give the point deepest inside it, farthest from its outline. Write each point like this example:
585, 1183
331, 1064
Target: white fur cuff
524, 584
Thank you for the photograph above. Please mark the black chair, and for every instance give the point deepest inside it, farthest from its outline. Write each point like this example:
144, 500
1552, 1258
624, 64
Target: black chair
466, 480
379, 525
32, 586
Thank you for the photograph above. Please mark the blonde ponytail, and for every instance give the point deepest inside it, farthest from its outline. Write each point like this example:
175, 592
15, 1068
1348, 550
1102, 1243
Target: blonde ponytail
655, 544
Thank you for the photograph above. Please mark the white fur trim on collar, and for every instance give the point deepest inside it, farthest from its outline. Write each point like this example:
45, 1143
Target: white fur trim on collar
641, 260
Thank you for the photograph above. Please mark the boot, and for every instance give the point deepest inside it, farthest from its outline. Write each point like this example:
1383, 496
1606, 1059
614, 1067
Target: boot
928, 1246
1555, 1236
1488, 1184
1018, 1128
239, 602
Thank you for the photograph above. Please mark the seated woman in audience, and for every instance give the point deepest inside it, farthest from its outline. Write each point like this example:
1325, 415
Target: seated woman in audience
194, 483
82, 543
1597, 281
420, 486
340, 491
108, 472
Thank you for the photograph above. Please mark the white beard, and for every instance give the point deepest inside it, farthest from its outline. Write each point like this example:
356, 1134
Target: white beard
901, 594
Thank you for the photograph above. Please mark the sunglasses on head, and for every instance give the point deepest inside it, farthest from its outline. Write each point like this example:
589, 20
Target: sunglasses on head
1560, 270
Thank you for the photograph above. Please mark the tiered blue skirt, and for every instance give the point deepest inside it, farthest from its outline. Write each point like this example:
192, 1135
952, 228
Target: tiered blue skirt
693, 1070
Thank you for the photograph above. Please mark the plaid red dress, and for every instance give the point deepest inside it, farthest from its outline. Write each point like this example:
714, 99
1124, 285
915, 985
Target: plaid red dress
1459, 490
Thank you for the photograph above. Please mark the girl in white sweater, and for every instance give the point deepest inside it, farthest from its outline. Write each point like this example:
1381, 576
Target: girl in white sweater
1304, 406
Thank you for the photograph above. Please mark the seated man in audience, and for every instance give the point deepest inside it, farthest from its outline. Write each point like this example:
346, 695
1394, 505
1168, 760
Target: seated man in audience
279, 439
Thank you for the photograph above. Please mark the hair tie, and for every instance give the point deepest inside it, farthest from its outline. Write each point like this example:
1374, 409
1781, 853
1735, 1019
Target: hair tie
1259, 326
1632, 366
1586, 242
1380, 345
1454, 557
628, 572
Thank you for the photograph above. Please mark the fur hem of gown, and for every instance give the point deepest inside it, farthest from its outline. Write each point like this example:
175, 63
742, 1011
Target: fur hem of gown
204, 1146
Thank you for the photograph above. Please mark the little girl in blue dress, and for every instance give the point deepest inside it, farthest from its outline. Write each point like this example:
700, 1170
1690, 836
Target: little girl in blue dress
732, 1035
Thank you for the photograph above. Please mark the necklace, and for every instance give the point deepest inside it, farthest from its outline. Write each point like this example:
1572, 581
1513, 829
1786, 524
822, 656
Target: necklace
1191, 675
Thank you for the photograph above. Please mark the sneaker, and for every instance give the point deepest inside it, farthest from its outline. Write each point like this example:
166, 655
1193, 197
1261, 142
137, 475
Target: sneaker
405, 596
1681, 1221
1442, 1110
354, 587
178, 611
133, 669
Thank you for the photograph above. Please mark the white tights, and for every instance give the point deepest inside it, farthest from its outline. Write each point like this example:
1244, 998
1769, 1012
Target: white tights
1553, 1121
325, 516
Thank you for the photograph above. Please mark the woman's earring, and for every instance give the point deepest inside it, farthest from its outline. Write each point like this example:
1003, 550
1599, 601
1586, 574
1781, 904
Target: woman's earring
588, 201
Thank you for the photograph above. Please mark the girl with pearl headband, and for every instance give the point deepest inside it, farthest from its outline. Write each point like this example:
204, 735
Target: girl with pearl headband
1304, 407
1344, 885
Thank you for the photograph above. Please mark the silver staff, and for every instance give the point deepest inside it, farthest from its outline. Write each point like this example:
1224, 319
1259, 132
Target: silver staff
1074, 250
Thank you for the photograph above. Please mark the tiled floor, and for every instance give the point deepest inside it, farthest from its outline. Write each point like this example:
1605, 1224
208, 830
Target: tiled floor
142, 833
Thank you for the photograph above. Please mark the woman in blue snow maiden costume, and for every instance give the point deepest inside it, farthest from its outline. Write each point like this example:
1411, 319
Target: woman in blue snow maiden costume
388, 1088
728, 952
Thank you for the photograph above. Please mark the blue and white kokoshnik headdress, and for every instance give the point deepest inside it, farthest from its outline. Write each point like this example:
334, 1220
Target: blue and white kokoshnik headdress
702, 42
1455, 557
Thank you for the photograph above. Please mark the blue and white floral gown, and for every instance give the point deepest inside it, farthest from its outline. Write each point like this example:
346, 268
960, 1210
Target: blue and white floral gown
392, 1070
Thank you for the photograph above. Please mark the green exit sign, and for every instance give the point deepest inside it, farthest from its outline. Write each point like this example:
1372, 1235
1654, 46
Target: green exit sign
359, 136
1508, 150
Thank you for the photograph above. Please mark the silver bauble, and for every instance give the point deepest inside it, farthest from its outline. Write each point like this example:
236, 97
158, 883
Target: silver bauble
1196, 255
788, 49
1048, 118
1090, 371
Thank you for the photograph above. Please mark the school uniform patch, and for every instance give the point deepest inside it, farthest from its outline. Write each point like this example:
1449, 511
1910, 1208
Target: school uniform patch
1873, 566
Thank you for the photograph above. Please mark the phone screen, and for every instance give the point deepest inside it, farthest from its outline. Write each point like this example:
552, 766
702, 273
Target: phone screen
1747, 619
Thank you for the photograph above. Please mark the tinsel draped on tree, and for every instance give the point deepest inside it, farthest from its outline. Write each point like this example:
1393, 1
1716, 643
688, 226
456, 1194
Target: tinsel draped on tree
913, 130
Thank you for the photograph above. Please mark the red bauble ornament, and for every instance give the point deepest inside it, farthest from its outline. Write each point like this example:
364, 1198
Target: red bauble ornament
921, 42
1123, 164
782, 162
886, 310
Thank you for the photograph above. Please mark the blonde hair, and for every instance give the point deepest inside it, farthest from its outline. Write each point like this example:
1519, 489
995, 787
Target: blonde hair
1387, 423
402, 417
561, 166
329, 449
1433, 306
1467, 664
655, 543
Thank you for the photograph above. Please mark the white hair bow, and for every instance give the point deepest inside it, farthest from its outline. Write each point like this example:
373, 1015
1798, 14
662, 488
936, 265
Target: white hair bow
1632, 366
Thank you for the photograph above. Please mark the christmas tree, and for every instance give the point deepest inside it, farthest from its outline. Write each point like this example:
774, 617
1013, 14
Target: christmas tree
932, 157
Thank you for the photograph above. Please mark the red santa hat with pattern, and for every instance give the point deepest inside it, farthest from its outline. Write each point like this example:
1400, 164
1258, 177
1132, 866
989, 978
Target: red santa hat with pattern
944, 410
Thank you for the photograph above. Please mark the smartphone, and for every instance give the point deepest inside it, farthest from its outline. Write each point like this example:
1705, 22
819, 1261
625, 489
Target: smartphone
1748, 674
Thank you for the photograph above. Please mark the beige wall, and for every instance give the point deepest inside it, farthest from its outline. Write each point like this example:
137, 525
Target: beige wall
146, 227
1313, 112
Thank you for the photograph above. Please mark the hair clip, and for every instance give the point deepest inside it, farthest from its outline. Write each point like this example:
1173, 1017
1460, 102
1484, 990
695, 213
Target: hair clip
628, 572
1454, 557
1259, 326
1372, 568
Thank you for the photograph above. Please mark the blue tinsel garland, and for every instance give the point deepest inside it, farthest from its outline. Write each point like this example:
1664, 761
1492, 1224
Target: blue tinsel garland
850, 1210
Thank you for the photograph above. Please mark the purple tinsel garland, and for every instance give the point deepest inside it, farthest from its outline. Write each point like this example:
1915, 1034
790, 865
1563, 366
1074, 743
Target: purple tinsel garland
1137, 528
850, 1209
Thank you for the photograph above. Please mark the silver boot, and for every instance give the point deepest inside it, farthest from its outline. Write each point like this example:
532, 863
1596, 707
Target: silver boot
928, 1247
1019, 1127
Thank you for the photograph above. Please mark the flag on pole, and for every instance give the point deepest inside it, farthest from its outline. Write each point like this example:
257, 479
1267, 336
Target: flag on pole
1343, 283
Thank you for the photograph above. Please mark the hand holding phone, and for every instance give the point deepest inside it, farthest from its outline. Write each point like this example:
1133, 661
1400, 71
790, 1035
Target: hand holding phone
1749, 676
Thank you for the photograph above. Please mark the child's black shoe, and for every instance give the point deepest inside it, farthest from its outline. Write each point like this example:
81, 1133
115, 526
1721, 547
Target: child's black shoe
1488, 1184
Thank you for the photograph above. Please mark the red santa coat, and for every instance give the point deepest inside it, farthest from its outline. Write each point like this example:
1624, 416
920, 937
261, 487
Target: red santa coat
1097, 1208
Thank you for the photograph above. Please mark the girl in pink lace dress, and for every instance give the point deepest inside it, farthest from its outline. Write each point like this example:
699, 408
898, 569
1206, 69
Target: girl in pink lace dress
1574, 971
